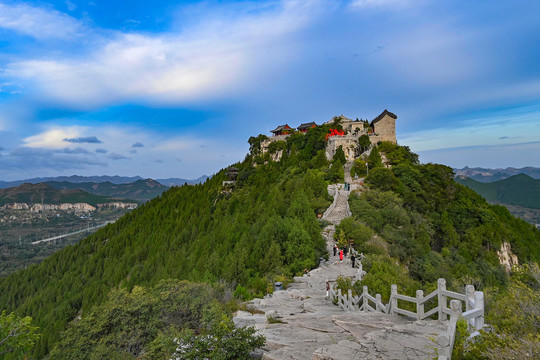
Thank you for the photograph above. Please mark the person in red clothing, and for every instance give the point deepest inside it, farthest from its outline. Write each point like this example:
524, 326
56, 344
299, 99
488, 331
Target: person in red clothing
341, 255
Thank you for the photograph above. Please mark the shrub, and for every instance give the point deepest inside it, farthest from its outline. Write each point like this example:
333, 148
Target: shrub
374, 158
242, 293
382, 179
364, 142
359, 168
222, 342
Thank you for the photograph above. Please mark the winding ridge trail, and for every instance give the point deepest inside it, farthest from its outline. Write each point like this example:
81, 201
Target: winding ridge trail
304, 325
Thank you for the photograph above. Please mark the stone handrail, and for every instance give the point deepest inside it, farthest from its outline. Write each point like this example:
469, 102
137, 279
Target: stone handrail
474, 306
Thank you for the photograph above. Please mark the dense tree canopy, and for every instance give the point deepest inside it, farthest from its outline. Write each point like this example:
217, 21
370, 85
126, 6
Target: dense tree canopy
436, 227
266, 226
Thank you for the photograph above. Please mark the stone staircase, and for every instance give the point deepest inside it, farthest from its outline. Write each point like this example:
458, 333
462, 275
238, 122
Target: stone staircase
300, 323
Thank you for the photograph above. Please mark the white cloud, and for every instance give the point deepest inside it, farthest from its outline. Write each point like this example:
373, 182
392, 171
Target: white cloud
54, 137
220, 55
70, 5
371, 4
177, 144
40, 23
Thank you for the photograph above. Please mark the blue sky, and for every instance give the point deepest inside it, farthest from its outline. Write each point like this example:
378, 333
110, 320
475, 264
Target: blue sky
175, 89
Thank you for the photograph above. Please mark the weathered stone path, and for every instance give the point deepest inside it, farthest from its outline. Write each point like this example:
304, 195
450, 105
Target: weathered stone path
339, 209
304, 325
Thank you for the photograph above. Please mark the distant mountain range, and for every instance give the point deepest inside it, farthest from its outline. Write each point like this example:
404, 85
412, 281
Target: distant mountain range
516, 188
46, 194
140, 190
519, 189
489, 175
180, 182
100, 179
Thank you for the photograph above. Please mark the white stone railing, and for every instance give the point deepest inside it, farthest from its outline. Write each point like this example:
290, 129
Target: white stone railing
474, 308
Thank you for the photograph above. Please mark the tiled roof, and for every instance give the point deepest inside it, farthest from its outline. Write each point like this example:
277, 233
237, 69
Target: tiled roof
307, 125
281, 127
385, 112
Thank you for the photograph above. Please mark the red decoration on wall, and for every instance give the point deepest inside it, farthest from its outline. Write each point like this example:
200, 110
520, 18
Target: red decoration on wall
335, 132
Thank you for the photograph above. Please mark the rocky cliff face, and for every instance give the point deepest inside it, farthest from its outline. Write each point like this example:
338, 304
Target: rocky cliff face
16, 206
118, 205
66, 206
63, 207
506, 257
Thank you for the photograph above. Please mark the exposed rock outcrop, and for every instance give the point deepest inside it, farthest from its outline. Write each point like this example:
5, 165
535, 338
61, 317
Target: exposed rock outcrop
506, 257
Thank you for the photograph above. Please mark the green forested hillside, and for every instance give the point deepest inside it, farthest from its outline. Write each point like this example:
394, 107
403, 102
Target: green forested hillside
438, 228
433, 226
266, 227
140, 190
43, 193
519, 189
415, 224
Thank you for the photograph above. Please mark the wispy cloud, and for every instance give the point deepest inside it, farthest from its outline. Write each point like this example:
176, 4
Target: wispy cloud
209, 65
24, 151
211, 59
506, 126
115, 156
77, 150
54, 137
70, 5
38, 22
21, 159
137, 145
178, 143
494, 156
47, 150
378, 4
84, 139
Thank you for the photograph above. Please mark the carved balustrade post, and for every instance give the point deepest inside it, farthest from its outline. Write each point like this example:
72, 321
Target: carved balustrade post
393, 299
419, 307
365, 298
479, 304
441, 286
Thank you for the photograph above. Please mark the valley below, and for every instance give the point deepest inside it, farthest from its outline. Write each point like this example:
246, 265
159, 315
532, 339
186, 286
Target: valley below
22, 224
529, 215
